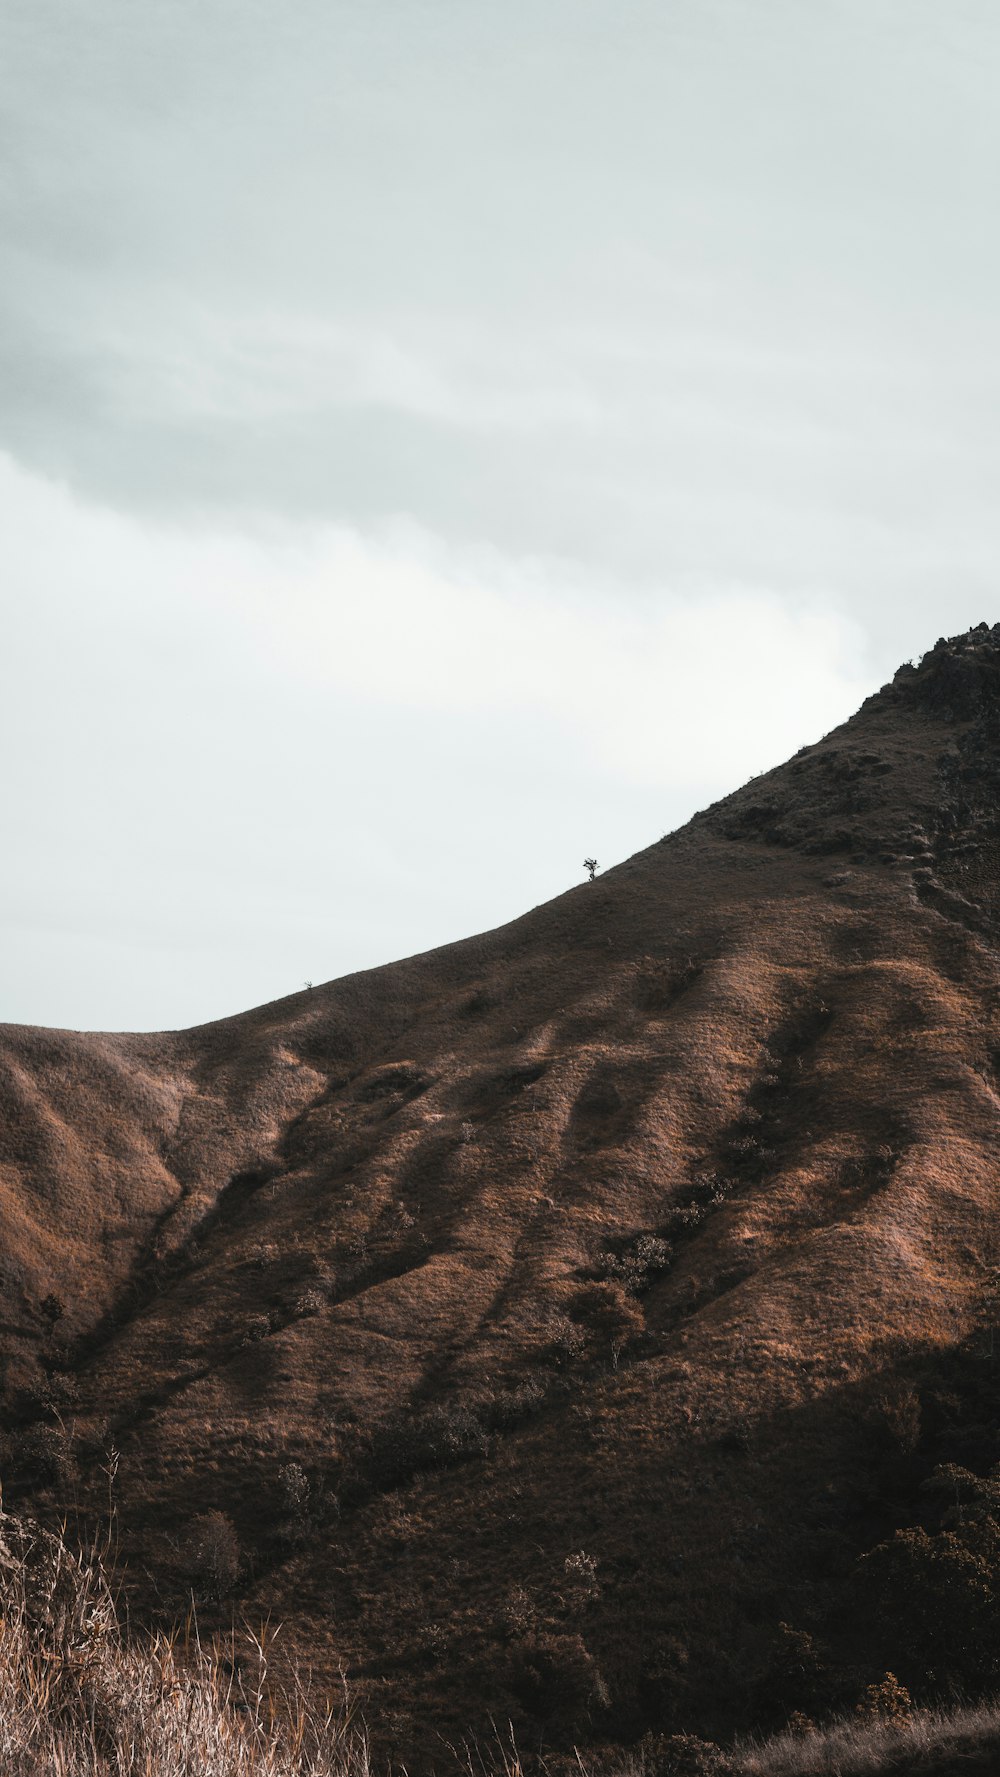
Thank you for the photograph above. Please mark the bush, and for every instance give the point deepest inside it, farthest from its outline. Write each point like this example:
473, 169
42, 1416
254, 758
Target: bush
436, 1437
935, 1603
887, 1701
310, 1302
636, 1264
565, 1345
582, 1584
52, 1308
796, 1672
511, 1406
297, 1505
210, 1555
612, 1316
42, 1456
683, 1755
555, 1677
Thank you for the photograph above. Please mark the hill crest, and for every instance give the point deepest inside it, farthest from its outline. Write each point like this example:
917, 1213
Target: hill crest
515, 1303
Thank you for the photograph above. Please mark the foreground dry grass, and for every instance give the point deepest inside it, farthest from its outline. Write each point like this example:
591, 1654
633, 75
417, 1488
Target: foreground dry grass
929, 1741
78, 1700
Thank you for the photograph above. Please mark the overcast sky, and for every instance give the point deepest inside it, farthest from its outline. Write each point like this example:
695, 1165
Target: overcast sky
440, 440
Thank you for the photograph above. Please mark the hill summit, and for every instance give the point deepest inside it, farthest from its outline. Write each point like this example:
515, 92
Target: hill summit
572, 1325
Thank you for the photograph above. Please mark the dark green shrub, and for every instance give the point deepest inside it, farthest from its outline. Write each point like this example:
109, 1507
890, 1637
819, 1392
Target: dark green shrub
255, 1328
511, 1406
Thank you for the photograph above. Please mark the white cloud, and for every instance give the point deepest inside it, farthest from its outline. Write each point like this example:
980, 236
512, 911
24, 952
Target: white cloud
665, 694
496, 430
298, 751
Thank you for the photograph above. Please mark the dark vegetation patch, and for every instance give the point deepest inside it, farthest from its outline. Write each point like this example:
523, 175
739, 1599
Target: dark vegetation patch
399, 1080
491, 1093
660, 986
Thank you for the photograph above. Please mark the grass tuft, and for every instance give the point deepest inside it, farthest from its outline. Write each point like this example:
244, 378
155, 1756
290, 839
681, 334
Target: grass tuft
928, 1740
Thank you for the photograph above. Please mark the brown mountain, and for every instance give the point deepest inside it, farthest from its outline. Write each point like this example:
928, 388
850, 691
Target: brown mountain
565, 1321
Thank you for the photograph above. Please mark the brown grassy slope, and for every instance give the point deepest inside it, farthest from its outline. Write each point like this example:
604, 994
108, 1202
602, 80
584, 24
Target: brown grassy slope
769, 1040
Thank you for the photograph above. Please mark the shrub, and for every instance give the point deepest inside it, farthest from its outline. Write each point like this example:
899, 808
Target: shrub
42, 1456
895, 1421
635, 1265
433, 1438
685, 1218
294, 1488
60, 1392
611, 1315
306, 1500
565, 1345
210, 1555
518, 1616
797, 1674
310, 1302
297, 1504
511, 1406
683, 1755
582, 1585
800, 1723
432, 1643
887, 1701
935, 1602
554, 1676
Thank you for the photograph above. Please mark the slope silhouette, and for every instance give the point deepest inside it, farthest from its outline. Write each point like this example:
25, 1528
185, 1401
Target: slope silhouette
562, 1317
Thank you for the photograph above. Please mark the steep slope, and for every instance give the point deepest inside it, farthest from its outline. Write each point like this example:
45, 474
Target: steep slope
559, 1315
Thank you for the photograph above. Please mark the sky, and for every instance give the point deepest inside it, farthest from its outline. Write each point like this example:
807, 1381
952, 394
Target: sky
441, 441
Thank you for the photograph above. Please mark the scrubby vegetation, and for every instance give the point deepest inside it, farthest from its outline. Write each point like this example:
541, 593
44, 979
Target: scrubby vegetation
77, 1699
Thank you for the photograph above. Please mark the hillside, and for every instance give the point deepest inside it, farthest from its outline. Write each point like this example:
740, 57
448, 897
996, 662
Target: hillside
554, 1320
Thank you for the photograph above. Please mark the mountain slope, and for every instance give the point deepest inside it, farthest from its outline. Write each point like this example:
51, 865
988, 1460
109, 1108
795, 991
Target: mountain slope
559, 1315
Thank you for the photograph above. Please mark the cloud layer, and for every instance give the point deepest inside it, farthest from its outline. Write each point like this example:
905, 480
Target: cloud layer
500, 429
244, 761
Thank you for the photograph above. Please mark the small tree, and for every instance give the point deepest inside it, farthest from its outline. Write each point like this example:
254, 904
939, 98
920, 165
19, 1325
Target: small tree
210, 1557
887, 1701
592, 865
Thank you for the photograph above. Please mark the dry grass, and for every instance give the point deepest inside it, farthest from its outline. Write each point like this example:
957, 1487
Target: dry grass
78, 1700
927, 1741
